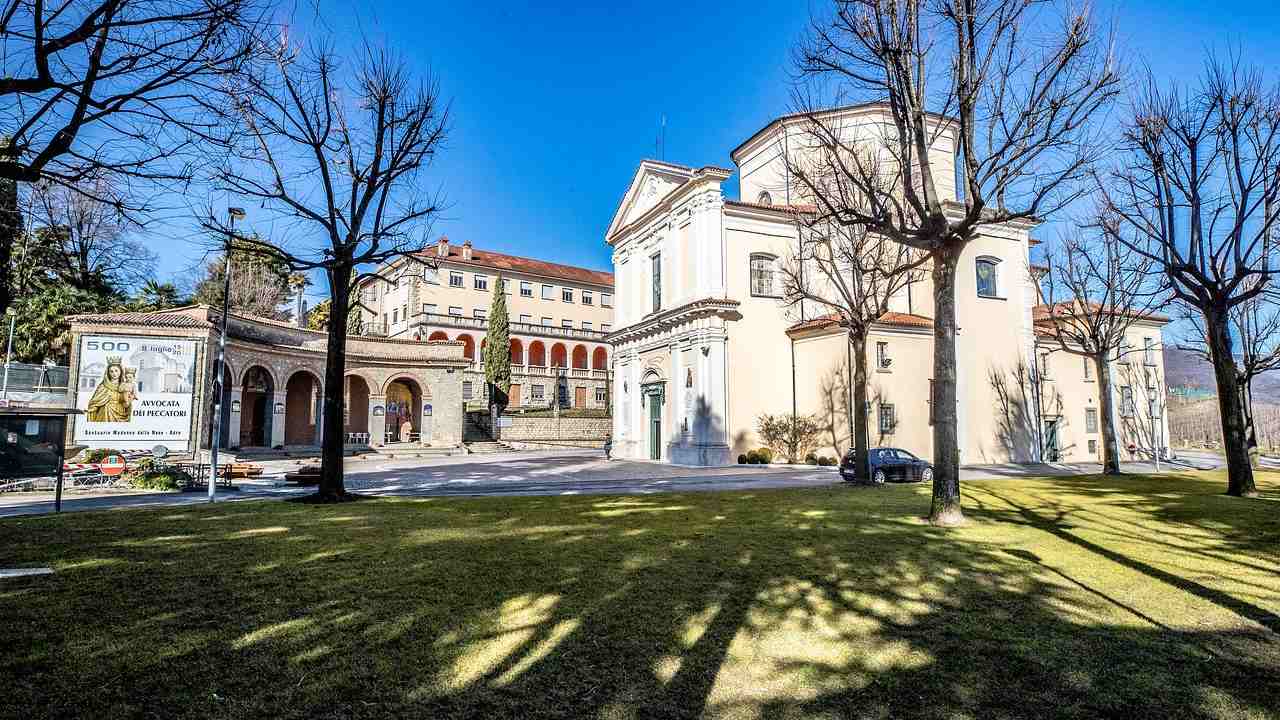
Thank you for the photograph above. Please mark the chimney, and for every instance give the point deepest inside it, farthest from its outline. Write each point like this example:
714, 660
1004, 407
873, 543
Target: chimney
442, 249
466, 250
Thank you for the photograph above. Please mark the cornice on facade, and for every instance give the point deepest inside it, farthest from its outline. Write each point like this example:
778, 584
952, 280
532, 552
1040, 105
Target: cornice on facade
833, 323
665, 319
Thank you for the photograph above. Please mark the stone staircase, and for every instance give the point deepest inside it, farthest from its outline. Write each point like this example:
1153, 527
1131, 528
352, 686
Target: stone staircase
486, 446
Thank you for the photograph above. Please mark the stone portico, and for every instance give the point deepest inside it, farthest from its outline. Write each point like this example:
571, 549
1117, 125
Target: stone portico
395, 391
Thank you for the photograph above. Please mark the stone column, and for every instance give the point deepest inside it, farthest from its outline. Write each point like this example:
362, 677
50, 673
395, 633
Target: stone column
377, 420
277, 418
233, 417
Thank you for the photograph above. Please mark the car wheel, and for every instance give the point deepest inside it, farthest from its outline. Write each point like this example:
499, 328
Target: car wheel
926, 475
878, 478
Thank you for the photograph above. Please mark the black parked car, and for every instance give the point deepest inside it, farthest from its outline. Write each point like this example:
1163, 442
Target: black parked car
890, 465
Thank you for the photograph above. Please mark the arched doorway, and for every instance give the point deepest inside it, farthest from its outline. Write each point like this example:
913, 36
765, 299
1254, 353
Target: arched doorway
653, 395
559, 356
437, 335
580, 357
517, 352
600, 359
537, 354
468, 347
404, 410
257, 395
301, 408
356, 423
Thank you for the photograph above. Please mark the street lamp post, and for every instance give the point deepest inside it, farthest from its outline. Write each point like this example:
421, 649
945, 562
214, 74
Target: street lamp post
234, 214
8, 353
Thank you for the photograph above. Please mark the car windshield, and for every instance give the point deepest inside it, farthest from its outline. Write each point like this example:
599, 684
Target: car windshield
906, 455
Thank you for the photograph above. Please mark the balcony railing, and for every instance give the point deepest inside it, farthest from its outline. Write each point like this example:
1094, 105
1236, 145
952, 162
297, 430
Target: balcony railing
472, 323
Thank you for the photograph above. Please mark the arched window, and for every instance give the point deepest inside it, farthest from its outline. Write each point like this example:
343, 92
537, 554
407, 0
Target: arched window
764, 282
988, 271
764, 198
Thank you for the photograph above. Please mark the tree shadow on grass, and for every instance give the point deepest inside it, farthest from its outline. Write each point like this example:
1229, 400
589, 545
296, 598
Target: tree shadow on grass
770, 604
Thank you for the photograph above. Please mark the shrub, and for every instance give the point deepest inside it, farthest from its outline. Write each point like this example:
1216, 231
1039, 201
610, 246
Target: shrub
99, 454
147, 476
792, 436
753, 457
766, 455
825, 461
742, 459
812, 459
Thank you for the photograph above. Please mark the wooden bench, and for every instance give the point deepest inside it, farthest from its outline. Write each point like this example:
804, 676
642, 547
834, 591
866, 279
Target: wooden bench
305, 475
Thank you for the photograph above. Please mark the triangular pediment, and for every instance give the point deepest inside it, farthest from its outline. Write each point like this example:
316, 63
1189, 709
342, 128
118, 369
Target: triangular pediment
653, 181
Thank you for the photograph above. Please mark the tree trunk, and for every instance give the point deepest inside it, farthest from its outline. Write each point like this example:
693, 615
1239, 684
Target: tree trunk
1250, 425
946, 441
1110, 444
1239, 471
861, 441
332, 444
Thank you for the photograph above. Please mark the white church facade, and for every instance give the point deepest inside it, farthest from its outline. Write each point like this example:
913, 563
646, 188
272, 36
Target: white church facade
704, 343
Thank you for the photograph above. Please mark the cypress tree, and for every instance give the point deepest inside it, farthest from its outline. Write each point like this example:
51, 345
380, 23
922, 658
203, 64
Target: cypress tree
497, 353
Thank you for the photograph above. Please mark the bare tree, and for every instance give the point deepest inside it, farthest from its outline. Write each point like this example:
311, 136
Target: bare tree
1094, 292
336, 158
1256, 323
853, 275
94, 250
1010, 84
96, 88
1196, 192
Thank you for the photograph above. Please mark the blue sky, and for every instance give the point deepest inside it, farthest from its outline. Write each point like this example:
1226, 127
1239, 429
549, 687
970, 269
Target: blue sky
554, 105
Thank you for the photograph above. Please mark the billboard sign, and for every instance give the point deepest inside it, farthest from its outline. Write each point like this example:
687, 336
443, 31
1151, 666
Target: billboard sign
135, 392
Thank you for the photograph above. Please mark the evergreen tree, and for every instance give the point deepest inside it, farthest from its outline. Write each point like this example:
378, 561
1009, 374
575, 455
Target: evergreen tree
497, 351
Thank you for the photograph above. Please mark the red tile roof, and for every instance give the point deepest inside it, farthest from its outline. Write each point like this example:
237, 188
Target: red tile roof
803, 209
1045, 313
515, 263
894, 319
175, 318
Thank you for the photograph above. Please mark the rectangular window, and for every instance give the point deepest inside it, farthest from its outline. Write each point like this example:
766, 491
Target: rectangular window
566, 295
430, 308
1091, 420
1148, 351
882, 356
467, 390
606, 300
1093, 447
602, 397
1088, 368
395, 315
586, 325
526, 289
546, 321
455, 279
887, 419
588, 298
384, 319
655, 275
526, 319
431, 275
548, 292
481, 282
455, 311
1127, 408
1044, 366
762, 276
567, 324
478, 314
404, 312
537, 392
605, 327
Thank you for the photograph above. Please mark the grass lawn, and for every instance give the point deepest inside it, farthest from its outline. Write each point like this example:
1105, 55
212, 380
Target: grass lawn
1088, 597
